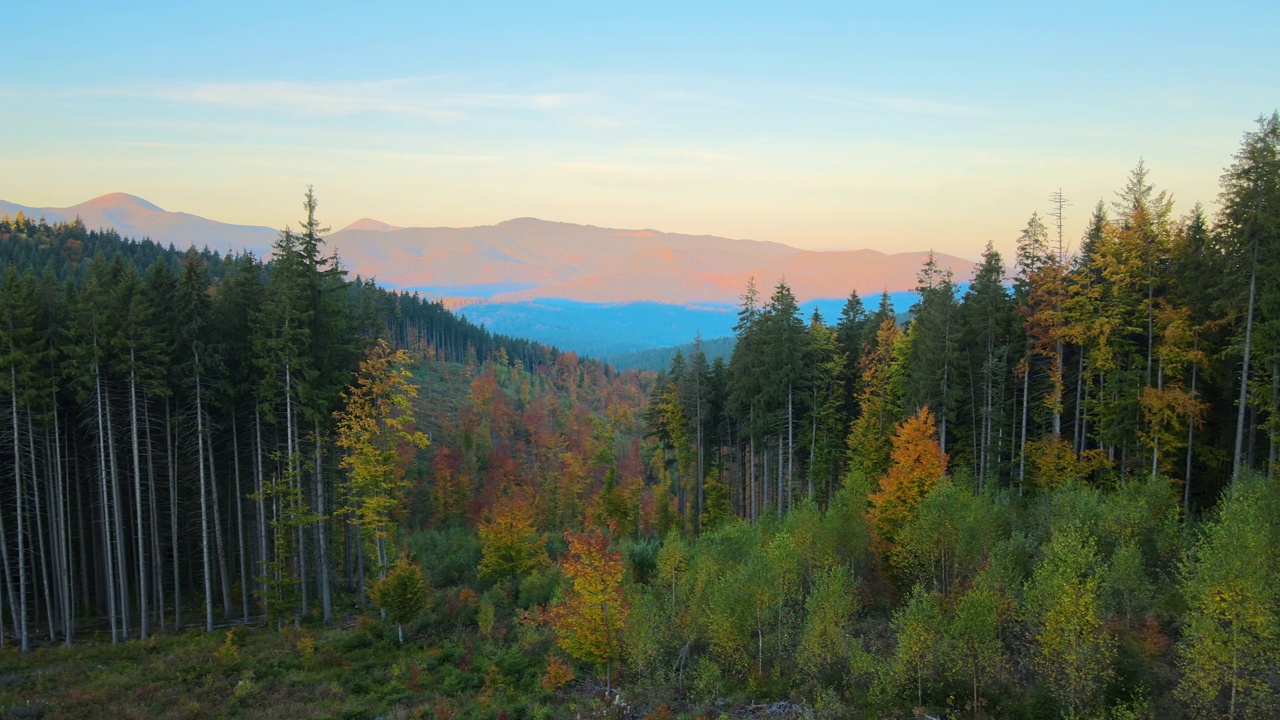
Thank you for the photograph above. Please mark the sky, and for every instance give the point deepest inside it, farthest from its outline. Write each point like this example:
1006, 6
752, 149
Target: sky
892, 126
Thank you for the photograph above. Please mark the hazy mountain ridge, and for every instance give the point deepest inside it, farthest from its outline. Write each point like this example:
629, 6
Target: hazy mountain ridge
585, 263
134, 217
526, 258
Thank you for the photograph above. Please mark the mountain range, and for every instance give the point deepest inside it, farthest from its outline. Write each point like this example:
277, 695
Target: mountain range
527, 259
592, 289
133, 217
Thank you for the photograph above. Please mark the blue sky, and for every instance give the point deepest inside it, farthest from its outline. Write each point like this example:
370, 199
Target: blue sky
896, 128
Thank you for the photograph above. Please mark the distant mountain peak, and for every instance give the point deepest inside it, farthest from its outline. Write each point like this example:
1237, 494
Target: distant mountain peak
529, 221
134, 217
371, 225
121, 201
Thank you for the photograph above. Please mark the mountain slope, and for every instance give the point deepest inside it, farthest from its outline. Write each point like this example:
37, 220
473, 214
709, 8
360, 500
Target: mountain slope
133, 217
527, 259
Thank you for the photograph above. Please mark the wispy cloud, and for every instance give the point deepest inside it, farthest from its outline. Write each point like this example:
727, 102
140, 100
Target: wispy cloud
434, 98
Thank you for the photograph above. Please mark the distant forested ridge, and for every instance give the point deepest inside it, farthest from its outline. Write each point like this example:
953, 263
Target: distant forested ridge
659, 359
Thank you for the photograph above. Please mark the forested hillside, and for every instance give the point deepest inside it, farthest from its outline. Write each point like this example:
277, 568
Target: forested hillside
170, 427
1062, 492
1049, 495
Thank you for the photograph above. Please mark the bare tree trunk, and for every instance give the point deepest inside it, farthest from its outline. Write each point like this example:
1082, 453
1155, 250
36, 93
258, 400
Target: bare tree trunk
1237, 457
204, 505
79, 502
765, 482
1078, 411
364, 595
64, 535
322, 541
1057, 391
157, 570
120, 543
171, 465
791, 450
262, 501
1272, 420
43, 557
752, 464
107, 565
1191, 435
20, 618
780, 489
144, 620
1022, 448
295, 480
1155, 445
224, 574
244, 569
813, 445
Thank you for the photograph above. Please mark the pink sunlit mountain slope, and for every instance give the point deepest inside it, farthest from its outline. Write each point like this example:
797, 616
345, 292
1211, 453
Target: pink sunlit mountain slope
526, 259
133, 217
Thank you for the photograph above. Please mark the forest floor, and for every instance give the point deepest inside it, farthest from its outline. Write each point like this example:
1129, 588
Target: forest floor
353, 670
357, 671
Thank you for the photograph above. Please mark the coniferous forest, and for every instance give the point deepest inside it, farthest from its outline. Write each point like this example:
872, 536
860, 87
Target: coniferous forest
237, 486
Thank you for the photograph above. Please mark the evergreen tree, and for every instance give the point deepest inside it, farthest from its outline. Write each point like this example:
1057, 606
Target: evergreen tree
1250, 222
985, 345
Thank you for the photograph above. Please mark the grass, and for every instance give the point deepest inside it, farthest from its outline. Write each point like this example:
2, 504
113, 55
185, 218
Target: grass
313, 672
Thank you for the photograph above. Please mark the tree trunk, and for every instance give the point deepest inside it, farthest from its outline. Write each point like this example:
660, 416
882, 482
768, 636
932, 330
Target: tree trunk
1191, 435
1078, 411
751, 462
120, 543
780, 488
171, 465
20, 619
322, 541
295, 482
1273, 421
697, 379
157, 570
262, 504
224, 574
43, 556
107, 565
64, 535
791, 451
1155, 445
1237, 457
204, 505
144, 619
1022, 447
244, 555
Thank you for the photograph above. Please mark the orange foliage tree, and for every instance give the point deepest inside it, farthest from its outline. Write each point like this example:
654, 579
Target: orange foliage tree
917, 464
589, 617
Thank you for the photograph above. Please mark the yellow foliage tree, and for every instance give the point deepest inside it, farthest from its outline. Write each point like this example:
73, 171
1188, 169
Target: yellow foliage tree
509, 542
589, 617
1231, 635
880, 399
374, 427
1073, 649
